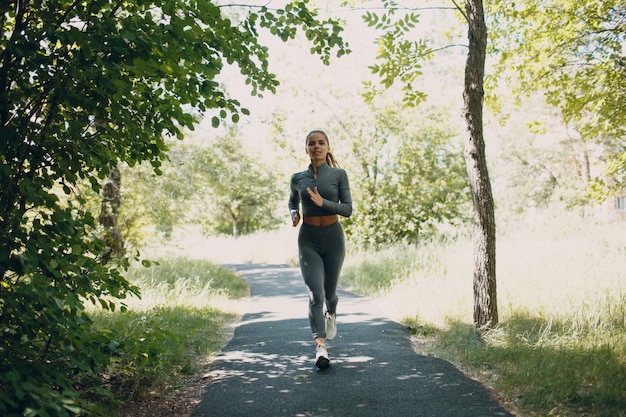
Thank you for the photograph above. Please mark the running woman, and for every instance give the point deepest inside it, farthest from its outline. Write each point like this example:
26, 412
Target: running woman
324, 192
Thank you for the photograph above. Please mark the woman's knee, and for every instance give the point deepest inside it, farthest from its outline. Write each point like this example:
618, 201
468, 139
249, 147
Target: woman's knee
316, 297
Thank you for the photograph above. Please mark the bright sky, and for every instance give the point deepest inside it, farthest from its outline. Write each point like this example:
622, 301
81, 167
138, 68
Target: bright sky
309, 89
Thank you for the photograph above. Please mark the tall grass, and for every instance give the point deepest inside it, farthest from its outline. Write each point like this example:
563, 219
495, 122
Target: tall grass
181, 319
183, 281
560, 348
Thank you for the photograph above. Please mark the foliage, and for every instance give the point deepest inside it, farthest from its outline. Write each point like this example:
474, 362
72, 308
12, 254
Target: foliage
47, 337
161, 201
580, 68
153, 200
219, 185
238, 191
85, 86
615, 182
412, 179
616, 171
545, 165
400, 59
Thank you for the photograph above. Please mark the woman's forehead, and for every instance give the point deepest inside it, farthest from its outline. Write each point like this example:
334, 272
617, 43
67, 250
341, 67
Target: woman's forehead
317, 136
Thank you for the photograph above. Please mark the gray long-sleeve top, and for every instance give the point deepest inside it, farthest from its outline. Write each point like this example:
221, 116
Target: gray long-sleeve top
331, 183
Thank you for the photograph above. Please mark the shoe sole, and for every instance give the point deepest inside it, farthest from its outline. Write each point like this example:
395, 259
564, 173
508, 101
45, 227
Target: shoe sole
322, 363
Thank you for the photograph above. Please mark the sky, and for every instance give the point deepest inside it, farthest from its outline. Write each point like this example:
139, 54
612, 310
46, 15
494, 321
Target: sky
298, 70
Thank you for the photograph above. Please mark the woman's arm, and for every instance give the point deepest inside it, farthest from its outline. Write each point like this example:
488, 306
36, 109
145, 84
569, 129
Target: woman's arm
344, 206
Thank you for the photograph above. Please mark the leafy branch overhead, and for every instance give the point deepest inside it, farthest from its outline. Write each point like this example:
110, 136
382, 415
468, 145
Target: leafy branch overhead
399, 59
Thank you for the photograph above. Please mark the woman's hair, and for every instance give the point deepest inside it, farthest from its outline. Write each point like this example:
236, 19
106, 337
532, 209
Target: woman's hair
330, 159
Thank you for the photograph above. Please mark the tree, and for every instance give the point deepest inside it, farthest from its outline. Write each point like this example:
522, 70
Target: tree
84, 87
160, 201
240, 192
485, 294
410, 178
109, 212
580, 68
400, 61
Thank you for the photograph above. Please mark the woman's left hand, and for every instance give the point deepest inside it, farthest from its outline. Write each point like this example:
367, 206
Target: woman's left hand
316, 198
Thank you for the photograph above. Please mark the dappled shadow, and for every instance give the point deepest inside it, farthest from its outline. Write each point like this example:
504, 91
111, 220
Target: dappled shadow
267, 368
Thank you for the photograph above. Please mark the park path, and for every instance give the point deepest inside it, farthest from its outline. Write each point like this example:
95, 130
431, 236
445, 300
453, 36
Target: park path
267, 368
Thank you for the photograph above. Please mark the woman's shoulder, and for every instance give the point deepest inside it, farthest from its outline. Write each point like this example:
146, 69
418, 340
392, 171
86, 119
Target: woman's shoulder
339, 171
299, 174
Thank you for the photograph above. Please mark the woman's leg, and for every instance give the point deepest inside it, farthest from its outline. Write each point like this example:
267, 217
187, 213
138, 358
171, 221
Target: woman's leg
334, 256
312, 267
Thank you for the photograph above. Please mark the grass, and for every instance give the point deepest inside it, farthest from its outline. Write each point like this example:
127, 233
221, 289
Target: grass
560, 347
542, 367
178, 280
181, 320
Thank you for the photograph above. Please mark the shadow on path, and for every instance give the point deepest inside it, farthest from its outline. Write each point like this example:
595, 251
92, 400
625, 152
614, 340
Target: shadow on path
267, 368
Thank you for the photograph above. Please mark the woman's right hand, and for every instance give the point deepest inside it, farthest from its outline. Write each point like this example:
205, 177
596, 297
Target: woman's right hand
295, 217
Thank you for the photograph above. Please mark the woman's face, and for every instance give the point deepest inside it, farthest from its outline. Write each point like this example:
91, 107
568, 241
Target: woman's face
317, 146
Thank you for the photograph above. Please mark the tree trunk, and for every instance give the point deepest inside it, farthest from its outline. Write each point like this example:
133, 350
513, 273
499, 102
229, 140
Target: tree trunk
233, 219
110, 210
485, 298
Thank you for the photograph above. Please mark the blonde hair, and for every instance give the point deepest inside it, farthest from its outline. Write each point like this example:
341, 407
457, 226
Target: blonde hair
330, 159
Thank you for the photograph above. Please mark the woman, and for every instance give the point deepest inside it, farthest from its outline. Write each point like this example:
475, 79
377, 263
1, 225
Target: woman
324, 192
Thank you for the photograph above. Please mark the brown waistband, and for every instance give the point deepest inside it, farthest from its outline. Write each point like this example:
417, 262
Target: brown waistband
320, 220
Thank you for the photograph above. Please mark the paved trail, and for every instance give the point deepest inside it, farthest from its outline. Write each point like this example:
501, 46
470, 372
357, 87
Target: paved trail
267, 368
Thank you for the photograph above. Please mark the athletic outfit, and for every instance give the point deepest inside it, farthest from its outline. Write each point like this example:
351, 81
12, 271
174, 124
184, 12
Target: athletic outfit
322, 249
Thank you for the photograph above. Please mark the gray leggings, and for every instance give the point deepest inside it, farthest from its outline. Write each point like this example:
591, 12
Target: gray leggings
322, 250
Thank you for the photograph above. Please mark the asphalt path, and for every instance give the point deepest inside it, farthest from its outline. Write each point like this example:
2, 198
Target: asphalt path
267, 368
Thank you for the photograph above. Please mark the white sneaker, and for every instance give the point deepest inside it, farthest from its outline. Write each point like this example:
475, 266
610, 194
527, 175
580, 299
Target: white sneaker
321, 357
331, 326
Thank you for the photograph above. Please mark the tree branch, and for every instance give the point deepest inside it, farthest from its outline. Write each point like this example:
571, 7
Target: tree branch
457, 7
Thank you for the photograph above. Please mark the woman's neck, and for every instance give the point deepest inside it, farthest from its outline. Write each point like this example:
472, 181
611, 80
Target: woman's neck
315, 163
